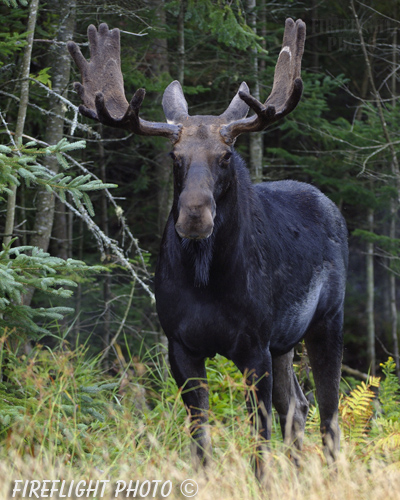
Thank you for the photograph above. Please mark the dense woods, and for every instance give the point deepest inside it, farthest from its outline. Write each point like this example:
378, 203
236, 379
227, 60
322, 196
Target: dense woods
85, 386
81, 221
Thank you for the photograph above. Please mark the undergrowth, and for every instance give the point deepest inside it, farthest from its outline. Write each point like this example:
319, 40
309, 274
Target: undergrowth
58, 408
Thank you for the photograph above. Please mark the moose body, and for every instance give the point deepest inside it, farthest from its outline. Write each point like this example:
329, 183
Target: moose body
244, 270
271, 271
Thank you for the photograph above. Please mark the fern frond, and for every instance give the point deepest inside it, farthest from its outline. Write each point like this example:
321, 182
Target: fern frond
390, 442
389, 393
387, 442
356, 411
374, 381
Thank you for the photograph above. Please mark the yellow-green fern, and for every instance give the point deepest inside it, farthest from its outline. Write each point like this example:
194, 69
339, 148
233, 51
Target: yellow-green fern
356, 410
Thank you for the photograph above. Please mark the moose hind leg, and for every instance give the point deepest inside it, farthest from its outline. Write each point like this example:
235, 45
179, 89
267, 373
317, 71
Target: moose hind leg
324, 343
190, 376
289, 400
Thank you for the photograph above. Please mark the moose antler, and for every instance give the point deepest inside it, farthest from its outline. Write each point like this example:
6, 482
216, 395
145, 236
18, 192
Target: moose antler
286, 90
102, 88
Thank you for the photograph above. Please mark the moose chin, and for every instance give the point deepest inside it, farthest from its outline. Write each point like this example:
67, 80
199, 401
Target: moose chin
246, 271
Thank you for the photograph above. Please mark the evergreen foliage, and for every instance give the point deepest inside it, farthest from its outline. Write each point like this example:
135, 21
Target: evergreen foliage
11, 43
22, 163
25, 267
210, 16
14, 3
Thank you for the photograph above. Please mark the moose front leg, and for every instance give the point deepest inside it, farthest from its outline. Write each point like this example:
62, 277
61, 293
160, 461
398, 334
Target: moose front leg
258, 373
191, 377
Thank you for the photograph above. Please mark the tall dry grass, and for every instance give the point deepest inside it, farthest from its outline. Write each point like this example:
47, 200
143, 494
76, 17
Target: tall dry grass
231, 479
58, 422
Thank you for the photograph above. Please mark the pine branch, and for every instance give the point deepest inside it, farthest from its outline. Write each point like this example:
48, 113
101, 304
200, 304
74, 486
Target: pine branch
118, 210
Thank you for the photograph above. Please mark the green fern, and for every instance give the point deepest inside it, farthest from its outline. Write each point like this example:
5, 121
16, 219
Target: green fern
389, 392
385, 429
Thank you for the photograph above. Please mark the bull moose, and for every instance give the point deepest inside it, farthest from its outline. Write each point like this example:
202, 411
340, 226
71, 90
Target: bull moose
246, 271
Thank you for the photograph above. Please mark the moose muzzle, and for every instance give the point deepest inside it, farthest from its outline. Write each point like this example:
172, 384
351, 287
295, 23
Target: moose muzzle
196, 214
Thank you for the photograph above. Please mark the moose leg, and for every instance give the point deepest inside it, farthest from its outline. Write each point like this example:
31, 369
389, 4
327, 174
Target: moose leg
289, 400
258, 373
324, 343
190, 375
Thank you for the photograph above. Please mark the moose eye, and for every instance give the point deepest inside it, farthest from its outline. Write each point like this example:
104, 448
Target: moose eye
224, 161
177, 159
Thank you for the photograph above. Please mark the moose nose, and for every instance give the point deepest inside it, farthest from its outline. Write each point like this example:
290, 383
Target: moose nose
196, 215
194, 234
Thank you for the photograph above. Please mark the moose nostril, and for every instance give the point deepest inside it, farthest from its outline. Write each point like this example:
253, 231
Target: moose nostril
194, 230
194, 236
195, 213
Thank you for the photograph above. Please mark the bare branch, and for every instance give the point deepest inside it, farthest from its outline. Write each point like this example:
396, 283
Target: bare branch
395, 163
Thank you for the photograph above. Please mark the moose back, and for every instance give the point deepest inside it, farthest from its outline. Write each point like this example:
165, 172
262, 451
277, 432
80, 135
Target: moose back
246, 271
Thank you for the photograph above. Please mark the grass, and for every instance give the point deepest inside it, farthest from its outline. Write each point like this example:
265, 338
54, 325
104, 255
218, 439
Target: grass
61, 418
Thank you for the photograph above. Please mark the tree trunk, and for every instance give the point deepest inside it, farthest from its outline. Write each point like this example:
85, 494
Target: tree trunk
164, 171
45, 204
263, 33
314, 35
159, 64
181, 43
23, 105
60, 64
107, 275
256, 138
55, 215
371, 296
392, 291
394, 206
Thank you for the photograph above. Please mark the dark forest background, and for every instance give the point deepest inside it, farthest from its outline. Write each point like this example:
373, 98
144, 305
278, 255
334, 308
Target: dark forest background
343, 137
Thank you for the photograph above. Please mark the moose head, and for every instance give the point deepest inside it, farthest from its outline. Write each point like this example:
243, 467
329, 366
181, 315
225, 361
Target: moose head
202, 145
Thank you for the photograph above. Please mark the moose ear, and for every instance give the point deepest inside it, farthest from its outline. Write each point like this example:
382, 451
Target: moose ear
174, 103
237, 109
